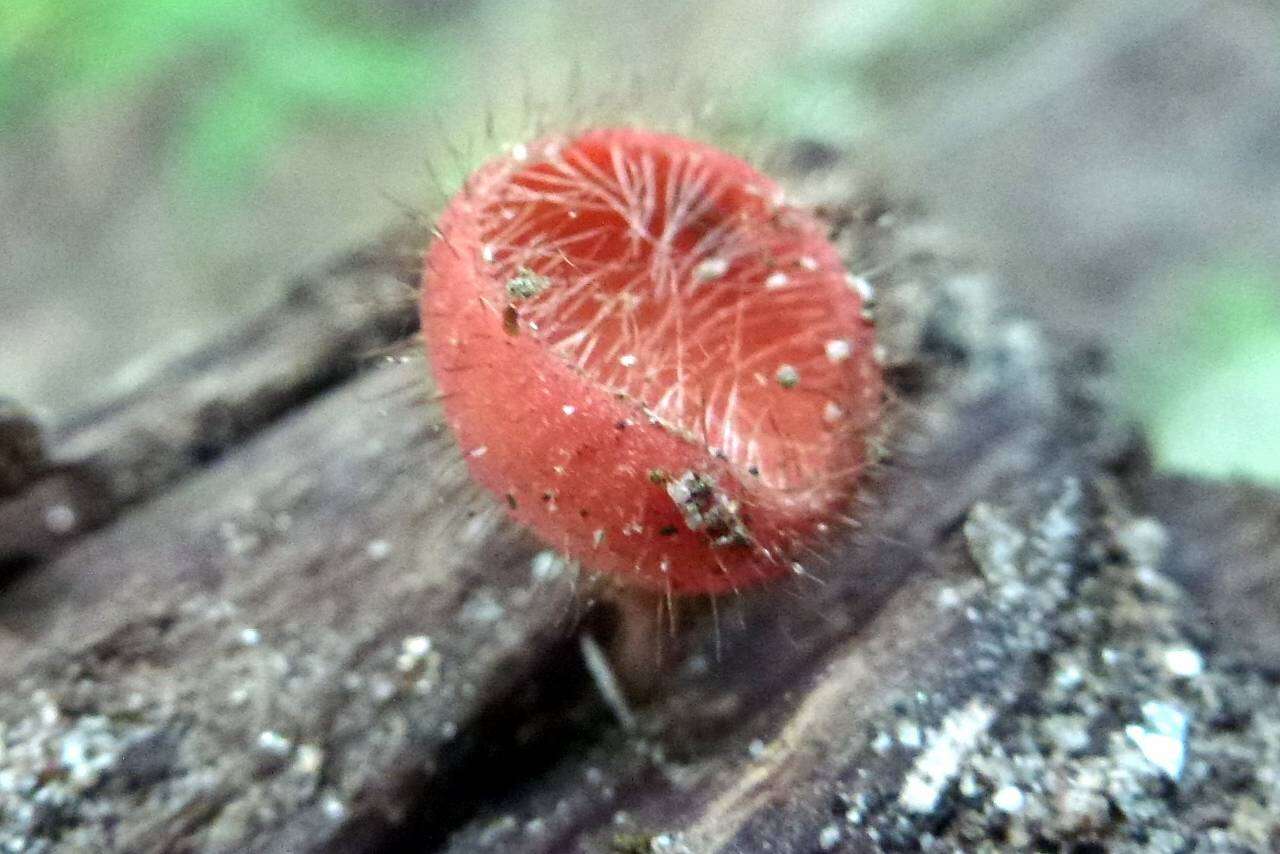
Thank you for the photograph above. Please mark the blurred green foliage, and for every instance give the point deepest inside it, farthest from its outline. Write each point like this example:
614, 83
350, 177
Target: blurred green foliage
1208, 388
264, 67
855, 57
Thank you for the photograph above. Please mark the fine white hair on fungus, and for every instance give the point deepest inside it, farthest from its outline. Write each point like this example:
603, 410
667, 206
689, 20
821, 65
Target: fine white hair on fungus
710, 408
670, 97
653, 299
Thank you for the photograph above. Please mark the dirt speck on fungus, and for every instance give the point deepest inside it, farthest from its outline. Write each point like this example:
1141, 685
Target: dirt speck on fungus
705, 508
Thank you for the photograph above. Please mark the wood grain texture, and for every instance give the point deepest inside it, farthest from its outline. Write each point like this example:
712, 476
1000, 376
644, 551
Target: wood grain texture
178, 416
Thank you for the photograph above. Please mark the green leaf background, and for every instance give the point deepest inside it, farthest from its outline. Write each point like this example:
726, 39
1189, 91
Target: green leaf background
271, 67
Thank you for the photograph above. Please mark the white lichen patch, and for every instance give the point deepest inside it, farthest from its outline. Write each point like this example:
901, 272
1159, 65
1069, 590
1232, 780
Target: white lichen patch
777, 280
482, 608
478, 527
47, 757
546, 566
937, 766
669, 843
787, 376
1144, 539
1161, 737
1183, 661
60, 519
333, 808
1009, 799
310, 759
413, 650
1063, 769
270, 750
239, 541
997, 545
418, 665
909, 735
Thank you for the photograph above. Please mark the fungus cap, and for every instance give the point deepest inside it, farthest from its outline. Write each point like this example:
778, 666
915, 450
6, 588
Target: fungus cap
654, 361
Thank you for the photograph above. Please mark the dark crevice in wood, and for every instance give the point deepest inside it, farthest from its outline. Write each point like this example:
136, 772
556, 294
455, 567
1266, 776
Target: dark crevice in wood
508, 747
14, 566
22, 451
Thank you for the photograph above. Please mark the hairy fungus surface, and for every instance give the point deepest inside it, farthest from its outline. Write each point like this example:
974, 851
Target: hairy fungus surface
653, 360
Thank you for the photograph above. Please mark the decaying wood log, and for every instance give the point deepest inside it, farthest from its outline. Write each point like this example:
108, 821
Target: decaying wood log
289, 623
189, 411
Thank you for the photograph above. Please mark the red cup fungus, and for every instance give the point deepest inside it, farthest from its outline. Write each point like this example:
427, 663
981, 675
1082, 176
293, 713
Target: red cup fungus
653, 360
